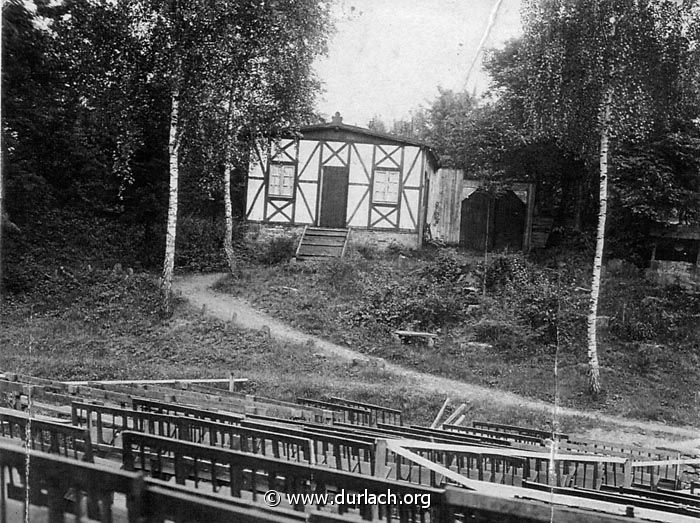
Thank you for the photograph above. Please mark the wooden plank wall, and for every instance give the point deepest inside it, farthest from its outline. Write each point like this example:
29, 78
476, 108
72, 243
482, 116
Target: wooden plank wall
444, 204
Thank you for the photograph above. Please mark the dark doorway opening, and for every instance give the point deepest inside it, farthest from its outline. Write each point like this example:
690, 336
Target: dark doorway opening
493, 222
334, 197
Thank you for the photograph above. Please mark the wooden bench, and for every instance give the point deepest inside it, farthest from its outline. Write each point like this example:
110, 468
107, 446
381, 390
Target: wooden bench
292, 443
61, 487
429, 337
379, 413
49, 436
175, 409
256, 440
350, 413
515, 429
624, 497
211, 469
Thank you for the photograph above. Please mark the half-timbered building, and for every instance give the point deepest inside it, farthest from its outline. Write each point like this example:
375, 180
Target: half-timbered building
339, 176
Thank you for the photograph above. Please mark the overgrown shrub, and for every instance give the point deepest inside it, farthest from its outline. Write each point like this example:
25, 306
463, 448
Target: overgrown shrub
642, 311
411, 303
200, 244
341, 274
278, 249
505, 269
367, 251
544, 301
647, 357
448, 266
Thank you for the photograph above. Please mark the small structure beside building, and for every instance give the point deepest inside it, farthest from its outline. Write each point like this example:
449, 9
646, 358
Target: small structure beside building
339, 176
386, 189
462, 211
675, 258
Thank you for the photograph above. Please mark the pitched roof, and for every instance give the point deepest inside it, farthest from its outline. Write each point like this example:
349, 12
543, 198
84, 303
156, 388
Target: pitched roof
337, 130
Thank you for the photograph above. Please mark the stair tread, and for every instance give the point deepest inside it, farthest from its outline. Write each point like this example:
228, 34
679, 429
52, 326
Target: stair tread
317, 255
313, 250
322, 242
317, 234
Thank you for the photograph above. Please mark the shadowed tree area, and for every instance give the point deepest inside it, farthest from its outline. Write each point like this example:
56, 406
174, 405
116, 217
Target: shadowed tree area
110, 108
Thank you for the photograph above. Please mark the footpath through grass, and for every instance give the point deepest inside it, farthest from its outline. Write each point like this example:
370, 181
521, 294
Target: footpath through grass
102, 324
506, 338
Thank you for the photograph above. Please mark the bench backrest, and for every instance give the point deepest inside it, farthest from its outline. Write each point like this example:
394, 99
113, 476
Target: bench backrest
239, 472
48, 436
87, 492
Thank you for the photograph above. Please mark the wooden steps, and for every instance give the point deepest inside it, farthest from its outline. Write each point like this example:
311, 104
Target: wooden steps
321, 242
541, 228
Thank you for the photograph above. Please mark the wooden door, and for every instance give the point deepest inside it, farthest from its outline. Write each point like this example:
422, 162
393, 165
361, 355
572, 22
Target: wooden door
476, 227
334, 197
509, 222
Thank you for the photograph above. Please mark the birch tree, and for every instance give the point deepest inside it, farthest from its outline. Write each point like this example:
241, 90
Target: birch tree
255, 54
599, 74
264, 81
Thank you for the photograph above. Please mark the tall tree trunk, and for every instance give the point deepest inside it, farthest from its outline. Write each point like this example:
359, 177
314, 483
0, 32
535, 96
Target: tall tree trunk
594, 370
174, 157
228, 211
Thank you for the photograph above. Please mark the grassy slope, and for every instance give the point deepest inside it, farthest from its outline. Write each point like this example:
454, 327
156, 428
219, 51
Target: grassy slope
103, 325
645, 382
61, 320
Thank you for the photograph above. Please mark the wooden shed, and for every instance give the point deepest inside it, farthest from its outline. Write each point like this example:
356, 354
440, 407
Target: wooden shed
339, 176
461, 211
675, 258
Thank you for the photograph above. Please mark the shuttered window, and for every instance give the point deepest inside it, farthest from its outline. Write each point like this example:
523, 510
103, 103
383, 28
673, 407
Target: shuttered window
281, 180
386, 186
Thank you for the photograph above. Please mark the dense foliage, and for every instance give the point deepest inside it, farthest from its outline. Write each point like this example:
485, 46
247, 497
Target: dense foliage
510, 133
87, 96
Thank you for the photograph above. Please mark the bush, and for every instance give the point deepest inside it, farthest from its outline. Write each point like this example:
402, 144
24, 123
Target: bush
367, 251
543, 301
504, 269
641, 311
200, 244
412, 304
648, 356
448, 266
278, 250
340, 274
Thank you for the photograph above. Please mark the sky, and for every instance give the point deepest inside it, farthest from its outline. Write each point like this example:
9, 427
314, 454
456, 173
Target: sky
387, 57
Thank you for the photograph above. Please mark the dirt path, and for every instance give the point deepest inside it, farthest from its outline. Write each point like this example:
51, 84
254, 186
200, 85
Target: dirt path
197, 290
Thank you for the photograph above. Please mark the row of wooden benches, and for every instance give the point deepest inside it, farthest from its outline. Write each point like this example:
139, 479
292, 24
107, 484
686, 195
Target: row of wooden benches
343, 447
165, 459
261, 434
355, 413
61, 487
335, 409
246, 474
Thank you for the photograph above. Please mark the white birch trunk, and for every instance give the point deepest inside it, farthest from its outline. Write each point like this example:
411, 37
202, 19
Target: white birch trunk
228, 211
228, 208
594, 367
174, 156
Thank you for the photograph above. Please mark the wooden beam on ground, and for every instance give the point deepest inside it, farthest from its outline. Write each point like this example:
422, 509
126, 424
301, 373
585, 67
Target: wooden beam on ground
504, 452
173, 381
665, 462
457, 413
436, 421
